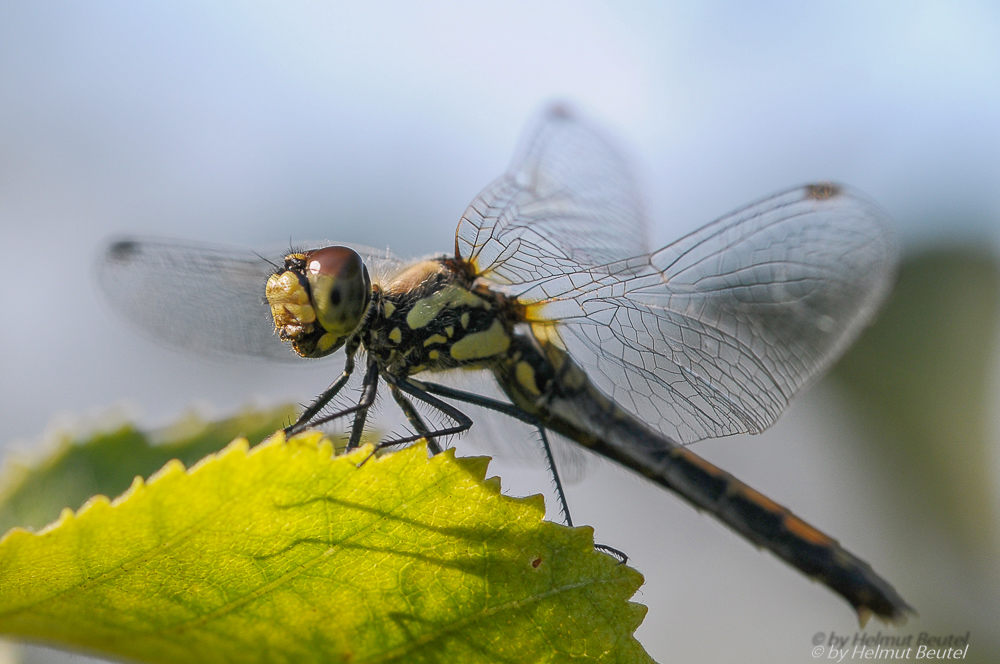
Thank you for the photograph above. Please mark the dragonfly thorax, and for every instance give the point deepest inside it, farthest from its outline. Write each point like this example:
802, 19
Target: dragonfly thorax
429, 318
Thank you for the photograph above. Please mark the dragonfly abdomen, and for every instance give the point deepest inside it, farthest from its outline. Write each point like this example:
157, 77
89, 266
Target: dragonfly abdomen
546, 382
770, 525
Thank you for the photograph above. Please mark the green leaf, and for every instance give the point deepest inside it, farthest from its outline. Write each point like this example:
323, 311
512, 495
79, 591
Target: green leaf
33, 494
286, 553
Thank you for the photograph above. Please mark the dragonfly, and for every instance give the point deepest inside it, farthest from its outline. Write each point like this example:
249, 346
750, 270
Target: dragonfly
552, 289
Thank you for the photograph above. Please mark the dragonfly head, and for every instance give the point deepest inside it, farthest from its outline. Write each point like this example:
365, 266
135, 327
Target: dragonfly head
319, 299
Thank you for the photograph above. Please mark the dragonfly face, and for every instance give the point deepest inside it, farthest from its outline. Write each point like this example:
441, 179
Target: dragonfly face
553, 290
319, 299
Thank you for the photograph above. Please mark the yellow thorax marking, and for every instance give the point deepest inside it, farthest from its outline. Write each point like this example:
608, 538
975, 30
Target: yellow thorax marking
435, 339
479, 345
428, 308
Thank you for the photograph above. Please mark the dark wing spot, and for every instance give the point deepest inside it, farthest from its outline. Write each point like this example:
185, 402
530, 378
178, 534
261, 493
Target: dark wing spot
822, 191
561, 110
124, 251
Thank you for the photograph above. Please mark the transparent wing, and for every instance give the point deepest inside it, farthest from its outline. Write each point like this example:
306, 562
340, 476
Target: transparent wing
568, 199
202, 298
714, 334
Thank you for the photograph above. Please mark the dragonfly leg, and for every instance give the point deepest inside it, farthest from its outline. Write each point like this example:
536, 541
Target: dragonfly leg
415, 420
551, 461
461, 420
513, 411
323, 399
368, 391
620, 555
369, 388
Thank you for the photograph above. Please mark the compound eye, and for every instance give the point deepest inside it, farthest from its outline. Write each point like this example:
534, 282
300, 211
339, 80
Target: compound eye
340, 286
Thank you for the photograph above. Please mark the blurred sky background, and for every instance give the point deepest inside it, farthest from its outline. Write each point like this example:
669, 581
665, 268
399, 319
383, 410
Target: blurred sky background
252, 123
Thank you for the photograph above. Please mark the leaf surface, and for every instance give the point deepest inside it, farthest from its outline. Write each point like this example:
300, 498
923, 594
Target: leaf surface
286, 553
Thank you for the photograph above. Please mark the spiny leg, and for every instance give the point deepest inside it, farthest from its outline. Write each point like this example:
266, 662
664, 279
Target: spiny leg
415, 420
369, 388
368, 391
462, 421
323, 399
